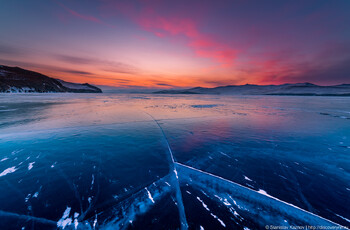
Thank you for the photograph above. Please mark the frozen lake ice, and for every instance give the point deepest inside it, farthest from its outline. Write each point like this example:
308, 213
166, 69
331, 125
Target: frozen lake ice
132, 161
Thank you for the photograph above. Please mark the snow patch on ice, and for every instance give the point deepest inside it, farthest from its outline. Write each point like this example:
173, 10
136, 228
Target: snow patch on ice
95, 222
204, 205
149, 195
27, 198
65, 220
30, 165
263, 192
176, 174
9, 170
247, 178
220, 221
4, 159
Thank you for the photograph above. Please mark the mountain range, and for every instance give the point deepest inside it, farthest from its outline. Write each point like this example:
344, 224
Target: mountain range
18, 80
298, 89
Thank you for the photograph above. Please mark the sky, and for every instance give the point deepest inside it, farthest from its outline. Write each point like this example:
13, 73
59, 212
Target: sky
179, 44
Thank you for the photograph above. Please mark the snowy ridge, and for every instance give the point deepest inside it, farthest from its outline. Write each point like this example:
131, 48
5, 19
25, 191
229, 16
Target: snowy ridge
18, 80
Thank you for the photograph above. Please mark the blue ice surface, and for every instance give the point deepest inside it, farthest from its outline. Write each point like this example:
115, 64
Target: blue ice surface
100, 161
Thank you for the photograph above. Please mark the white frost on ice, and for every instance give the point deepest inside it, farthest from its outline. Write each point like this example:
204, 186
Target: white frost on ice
342, 217
263, 192
95, 222
225, 154
92, 181
220, 221
226, 202
218, 197
247, 178
204, 205
4, 159
176, 174
65, 220
149, 195
27, 197
30, 165
7, 171
53, 165
76, 223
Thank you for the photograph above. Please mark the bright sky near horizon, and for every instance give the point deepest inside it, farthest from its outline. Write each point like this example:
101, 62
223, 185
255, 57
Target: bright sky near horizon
167, 44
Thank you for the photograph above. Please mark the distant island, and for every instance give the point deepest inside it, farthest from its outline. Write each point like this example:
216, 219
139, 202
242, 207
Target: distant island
18, 80
298, 89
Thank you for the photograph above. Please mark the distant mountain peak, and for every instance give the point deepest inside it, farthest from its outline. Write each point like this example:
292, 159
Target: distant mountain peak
297, 89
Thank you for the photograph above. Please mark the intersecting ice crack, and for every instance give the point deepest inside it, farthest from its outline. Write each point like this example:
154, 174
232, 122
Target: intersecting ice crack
258, 198
179, 200
227, 192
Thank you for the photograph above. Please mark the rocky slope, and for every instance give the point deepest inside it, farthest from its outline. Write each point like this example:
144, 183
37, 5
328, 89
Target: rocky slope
17, 80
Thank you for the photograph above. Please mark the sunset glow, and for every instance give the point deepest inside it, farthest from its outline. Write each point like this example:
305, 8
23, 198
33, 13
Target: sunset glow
170, 44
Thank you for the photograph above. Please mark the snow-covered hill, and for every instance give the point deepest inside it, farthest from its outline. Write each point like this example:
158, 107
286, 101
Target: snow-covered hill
17, 80
300, 89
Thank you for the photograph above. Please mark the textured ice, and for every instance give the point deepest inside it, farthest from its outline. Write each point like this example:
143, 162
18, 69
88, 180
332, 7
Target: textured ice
75, 164
235, 197
65, 220
30, 165
254, 202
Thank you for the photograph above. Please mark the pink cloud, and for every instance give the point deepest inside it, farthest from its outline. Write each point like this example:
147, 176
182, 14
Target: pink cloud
203, 45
